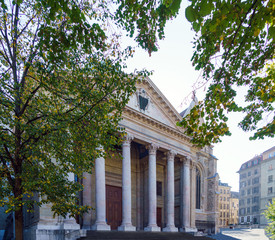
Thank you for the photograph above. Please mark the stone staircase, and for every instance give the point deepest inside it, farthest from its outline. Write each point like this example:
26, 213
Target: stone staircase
115, 235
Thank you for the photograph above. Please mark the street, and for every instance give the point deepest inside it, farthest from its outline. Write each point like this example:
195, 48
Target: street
241, 234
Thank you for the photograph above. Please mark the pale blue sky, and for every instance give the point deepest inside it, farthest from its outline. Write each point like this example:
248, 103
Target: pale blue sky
175, 76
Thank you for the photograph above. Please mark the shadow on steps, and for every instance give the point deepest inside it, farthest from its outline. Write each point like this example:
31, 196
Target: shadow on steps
115, 235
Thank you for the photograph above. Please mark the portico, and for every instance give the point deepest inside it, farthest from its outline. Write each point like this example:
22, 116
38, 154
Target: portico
151, 182
153, 153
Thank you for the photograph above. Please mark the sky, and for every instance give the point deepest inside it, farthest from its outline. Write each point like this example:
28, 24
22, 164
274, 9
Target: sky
175, 76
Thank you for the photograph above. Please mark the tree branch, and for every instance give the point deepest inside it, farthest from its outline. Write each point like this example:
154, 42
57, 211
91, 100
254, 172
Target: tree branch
235, 35
28, 100
7, 172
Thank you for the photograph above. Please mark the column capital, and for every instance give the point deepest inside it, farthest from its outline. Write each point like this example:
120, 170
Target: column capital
127, 138
171, 155
186, 160
153, 147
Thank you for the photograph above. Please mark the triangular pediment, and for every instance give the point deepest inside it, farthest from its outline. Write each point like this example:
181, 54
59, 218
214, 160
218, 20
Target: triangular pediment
149, 101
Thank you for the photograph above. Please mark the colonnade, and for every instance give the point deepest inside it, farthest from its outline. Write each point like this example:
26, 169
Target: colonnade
126, 224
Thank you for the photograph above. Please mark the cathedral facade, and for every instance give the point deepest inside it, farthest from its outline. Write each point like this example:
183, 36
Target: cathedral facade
161, 183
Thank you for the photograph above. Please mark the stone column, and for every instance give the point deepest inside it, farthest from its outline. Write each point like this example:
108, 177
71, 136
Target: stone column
170, 207
186, 196
193, 197
69, 222
126, 224
100, 190
87, 199
152, 191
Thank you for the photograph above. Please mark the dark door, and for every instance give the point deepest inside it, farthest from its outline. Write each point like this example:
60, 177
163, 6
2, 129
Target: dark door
159, 217
113, 206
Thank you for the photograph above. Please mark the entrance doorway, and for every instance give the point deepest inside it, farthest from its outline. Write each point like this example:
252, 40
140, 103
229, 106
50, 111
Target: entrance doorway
113, 206
159, 217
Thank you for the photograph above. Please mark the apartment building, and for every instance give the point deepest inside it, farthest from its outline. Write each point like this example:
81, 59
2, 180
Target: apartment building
257, 187
250, 185
234, 208
224, 204
267, 182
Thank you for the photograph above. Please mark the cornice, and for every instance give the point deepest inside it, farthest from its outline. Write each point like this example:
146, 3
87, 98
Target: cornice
138, 117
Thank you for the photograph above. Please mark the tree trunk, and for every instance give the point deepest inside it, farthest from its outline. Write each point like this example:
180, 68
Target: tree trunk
19, 208
19, 224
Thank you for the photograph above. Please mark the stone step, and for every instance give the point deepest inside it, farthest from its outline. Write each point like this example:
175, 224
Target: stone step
140, 235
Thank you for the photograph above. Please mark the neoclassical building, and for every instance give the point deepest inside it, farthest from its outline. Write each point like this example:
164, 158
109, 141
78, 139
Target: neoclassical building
161, 183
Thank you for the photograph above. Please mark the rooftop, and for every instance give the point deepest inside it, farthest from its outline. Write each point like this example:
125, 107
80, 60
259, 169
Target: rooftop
252, 162
223, 184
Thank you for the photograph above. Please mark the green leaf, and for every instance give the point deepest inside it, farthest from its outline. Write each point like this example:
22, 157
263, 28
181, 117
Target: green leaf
190, 14
196, 26
206, 8
271, 32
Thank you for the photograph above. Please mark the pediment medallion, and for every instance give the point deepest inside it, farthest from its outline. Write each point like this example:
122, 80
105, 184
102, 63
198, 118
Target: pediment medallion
143, 100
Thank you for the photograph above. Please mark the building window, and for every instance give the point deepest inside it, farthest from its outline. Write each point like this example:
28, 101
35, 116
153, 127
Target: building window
255, 190
248, 201
243, 175
224, 191
255, 209
198, 189
248, 218
256, 171
249, 174
241, 202
255, 200
243, 184
248, 182
248, 210
270, 178
242, 211
255, 180
269, 190
159, 188
224, 199
242, 219
242, 192
248, 191
221, 214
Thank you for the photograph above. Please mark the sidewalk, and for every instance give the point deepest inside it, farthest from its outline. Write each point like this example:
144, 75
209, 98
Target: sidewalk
241, 234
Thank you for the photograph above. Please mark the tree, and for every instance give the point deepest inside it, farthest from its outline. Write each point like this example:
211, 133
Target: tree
62, 91
234, 47
270, 215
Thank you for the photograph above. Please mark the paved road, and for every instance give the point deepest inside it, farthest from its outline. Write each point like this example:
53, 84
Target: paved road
241, 234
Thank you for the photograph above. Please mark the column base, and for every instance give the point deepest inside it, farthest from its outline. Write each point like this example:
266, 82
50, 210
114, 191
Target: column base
87, 227
188, 229
126, 228
101, 227
152, 228
170, 228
